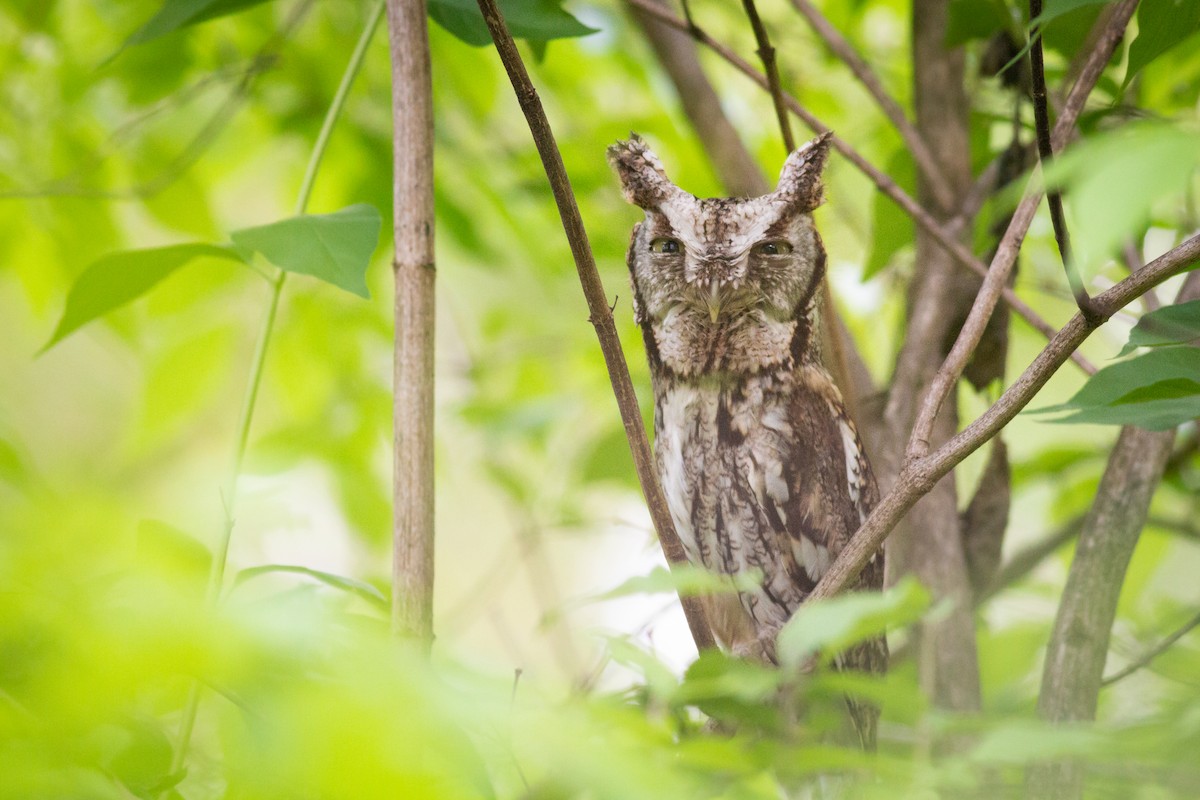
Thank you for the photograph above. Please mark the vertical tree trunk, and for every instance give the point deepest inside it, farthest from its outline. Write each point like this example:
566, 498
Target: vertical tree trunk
1078, 648
929, 543
1079, 644
412, 114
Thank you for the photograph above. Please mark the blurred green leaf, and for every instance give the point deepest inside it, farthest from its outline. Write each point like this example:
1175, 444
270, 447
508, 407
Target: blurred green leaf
731, 689
832, 625
1057, 8
358, 588
1157, 391
1177, 324
1030, 742
1162, 24
535, 20
891, 228
685, 580
974, 19
336, 248
177, 14
1115, 180
119, 278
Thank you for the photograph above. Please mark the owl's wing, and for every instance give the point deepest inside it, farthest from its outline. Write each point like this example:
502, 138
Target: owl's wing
830, 486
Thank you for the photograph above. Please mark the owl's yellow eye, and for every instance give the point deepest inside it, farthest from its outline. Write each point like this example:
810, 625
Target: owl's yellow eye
773, 248
665, 244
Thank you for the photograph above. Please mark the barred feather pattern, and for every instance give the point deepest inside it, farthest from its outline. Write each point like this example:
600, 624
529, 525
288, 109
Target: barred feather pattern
760, 463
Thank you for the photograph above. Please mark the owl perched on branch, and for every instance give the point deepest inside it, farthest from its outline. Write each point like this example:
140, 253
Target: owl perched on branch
761, 465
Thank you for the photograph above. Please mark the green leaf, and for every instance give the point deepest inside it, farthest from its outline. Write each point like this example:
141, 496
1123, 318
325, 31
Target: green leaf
118, 278
1115, 180
358, 588
1056, 8
974, 19
1162, 24
1178, 324
535, 20
685, 580
335, 247
1156, 391
830, 626
176, 14
891, 228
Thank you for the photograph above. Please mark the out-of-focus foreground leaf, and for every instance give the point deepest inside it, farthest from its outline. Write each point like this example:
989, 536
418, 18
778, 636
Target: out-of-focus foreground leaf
834, 624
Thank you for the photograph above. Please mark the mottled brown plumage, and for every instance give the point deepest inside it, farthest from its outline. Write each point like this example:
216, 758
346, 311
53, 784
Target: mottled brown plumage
760, 463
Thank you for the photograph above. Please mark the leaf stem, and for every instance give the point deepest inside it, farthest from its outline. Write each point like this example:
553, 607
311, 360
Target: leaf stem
216, 575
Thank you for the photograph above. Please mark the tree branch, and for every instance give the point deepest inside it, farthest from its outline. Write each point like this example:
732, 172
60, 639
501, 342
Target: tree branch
919, 475
1041, 116
944, 236
767, 54
413, 267
996, 280
597, 301
841, 47
1153, 653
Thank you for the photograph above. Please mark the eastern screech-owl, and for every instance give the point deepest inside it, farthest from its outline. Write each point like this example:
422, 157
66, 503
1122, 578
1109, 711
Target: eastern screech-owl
760, 463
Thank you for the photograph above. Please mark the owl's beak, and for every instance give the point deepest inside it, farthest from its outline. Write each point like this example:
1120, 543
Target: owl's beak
714, 301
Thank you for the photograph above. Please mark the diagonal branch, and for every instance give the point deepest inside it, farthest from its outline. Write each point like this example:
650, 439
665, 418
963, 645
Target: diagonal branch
944, 236
841, 47
996, 280
919, 475
1153, 653
767, 54
1041, 117
601, 315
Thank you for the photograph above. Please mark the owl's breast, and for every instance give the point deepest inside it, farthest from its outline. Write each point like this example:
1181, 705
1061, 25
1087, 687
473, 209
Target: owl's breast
721, 454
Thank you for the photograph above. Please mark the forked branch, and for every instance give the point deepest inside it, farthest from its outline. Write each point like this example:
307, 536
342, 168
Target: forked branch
601, 315
995, 282
919, 475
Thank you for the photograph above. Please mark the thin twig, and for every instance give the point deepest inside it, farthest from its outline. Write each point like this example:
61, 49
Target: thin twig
945, 237
600, 314
995, 282
1153, 653
1041, 117
841, 47
766, 54
919, 476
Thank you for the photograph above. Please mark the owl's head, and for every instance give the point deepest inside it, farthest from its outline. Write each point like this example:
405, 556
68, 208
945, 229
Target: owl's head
724, 286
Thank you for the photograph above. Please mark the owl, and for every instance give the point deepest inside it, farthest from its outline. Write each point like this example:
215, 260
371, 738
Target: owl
762, 467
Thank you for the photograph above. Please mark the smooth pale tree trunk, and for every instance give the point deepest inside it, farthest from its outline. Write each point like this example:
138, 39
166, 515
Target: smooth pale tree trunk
412, 114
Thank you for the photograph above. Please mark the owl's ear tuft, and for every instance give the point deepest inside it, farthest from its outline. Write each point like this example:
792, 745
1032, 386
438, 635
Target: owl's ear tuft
800, 180
643, 180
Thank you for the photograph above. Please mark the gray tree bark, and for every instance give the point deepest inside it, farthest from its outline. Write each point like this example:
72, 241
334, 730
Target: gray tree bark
929, 543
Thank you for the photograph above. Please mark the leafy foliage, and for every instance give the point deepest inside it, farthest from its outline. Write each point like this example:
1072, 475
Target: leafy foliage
114, 443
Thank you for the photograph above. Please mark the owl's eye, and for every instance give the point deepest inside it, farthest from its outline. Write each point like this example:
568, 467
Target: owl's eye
773, 248
664, 244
